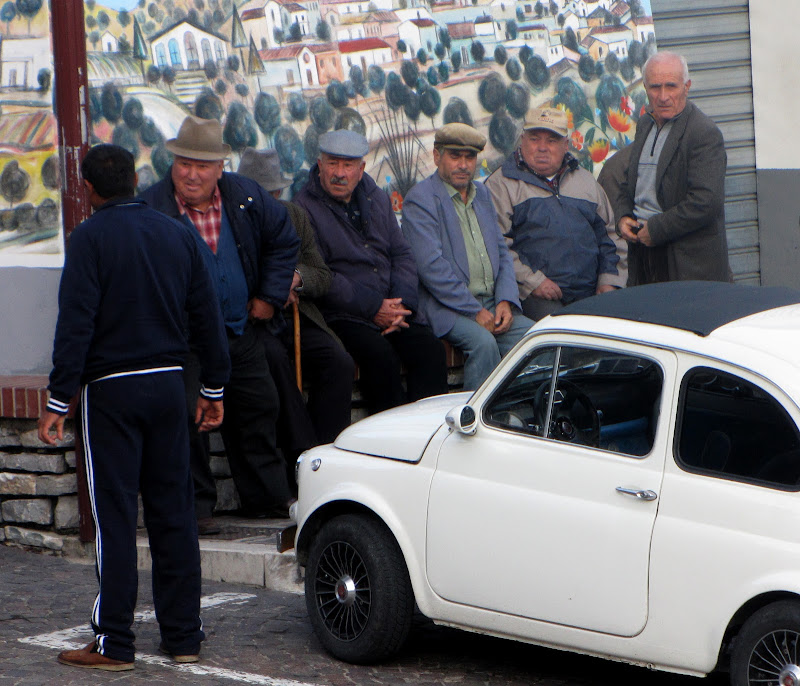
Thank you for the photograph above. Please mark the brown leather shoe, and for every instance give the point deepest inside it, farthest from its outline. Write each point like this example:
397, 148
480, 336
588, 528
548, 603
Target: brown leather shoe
183, 659
89, 658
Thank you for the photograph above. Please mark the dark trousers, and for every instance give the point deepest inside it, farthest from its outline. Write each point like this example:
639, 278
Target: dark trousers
380, 358
248, 431
135, 440
327, 371
295, 432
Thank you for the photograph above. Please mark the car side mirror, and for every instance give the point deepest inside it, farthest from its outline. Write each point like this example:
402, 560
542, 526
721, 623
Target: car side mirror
462, 419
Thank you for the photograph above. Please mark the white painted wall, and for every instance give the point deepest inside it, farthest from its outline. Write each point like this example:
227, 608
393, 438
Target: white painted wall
776, 96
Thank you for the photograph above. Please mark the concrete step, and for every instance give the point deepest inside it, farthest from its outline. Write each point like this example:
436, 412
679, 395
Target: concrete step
245, 552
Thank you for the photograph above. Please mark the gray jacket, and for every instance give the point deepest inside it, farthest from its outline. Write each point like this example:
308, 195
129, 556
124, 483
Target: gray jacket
689, 239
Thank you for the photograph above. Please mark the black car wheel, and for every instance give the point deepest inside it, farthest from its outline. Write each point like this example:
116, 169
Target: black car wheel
358, 594
767, 650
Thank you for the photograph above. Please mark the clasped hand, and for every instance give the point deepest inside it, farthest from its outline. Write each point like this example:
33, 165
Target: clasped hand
391, 316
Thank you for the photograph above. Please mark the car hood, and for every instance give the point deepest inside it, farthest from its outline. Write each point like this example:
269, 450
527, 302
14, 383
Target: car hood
403, 432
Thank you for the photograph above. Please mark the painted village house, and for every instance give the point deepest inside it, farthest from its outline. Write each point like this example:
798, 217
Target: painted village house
600, 42
643, 29
418, 34
291, 65
462, 35
185, 46
364, 53
22, 59
326, 57
109, 42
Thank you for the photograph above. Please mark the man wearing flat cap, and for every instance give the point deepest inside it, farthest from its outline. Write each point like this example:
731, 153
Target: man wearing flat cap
556, 218
467, 292
327, 368
250, 247
373, 294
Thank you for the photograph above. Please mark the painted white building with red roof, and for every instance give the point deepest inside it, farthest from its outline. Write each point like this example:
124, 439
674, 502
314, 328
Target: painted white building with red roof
364, 52
642, 28
418, 33
289, 65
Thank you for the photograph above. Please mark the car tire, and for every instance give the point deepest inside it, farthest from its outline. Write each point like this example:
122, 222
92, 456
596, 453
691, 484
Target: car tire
767, 646
358, 594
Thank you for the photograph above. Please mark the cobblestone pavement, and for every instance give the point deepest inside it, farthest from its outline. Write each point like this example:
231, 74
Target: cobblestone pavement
263, 637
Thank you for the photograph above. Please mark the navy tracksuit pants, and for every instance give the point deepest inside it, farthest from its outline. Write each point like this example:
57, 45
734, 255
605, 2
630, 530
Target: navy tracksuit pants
135, 439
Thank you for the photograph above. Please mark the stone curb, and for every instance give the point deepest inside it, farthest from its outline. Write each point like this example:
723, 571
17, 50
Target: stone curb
243, 561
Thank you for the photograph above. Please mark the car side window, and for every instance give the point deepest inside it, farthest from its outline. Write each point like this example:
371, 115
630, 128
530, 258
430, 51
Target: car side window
599, 398
517, 405
732, 428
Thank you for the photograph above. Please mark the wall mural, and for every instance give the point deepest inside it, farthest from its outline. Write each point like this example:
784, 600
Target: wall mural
280, 73
30, 200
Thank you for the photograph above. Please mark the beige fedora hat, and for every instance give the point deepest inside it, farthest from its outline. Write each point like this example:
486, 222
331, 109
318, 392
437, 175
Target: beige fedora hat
199, 139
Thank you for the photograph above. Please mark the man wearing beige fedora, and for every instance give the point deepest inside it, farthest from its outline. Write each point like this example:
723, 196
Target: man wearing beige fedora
328, 369
250, 248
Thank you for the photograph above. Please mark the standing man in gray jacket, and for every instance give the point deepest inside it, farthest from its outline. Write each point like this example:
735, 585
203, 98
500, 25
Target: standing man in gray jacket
467, 292
671, 205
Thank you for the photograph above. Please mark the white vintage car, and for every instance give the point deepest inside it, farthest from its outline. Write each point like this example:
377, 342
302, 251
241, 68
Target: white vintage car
624, 485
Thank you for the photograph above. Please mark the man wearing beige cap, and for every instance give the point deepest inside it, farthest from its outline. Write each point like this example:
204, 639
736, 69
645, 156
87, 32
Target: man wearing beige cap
467, 291
250, 248
556, 218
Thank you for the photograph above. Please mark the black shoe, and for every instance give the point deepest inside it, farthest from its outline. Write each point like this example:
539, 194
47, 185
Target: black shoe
206, 526
282, 512
249, 513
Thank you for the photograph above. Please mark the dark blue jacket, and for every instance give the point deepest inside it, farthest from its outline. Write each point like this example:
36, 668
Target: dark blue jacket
265, 238
131, 277
560, 235
369, 263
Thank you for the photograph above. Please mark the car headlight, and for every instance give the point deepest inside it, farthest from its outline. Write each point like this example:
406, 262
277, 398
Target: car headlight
297, 468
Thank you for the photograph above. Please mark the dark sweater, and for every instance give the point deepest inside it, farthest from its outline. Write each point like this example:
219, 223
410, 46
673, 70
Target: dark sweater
131, 278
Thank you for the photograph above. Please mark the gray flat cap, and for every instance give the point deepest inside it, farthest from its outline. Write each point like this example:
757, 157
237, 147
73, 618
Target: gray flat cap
344, 143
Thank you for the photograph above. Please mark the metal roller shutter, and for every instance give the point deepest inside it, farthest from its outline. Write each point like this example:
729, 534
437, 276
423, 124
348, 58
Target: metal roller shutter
714, 36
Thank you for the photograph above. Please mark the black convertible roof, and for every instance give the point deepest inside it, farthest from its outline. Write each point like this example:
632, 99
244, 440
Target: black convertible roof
698, 306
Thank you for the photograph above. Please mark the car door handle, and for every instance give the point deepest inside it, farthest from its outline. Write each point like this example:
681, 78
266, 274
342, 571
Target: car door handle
638, 493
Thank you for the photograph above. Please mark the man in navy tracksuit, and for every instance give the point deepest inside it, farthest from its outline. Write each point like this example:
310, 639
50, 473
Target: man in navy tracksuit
132, 280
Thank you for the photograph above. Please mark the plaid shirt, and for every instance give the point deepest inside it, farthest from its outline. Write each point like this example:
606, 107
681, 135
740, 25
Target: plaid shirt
209, 221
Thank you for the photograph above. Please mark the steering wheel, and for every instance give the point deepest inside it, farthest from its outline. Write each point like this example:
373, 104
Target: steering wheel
574, 418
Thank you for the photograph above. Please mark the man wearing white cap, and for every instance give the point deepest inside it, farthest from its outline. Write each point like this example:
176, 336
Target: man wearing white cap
250, 247
556, 218
373, 293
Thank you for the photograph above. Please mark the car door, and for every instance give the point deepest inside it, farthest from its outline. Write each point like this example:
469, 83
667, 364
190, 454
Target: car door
547, 511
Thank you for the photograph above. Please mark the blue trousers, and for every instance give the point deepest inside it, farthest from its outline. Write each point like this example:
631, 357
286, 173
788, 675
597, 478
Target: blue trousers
482, 349
135, 438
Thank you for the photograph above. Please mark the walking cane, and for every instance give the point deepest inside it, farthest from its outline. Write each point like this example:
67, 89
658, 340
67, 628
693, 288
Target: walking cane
297, 370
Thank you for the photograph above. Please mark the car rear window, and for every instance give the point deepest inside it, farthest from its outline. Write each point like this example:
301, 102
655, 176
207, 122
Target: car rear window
732, 428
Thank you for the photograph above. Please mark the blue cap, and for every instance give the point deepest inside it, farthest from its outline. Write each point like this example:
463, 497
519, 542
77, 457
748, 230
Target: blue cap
344, 143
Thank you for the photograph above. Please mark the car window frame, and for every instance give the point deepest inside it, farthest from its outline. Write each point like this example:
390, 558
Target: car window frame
768, 387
